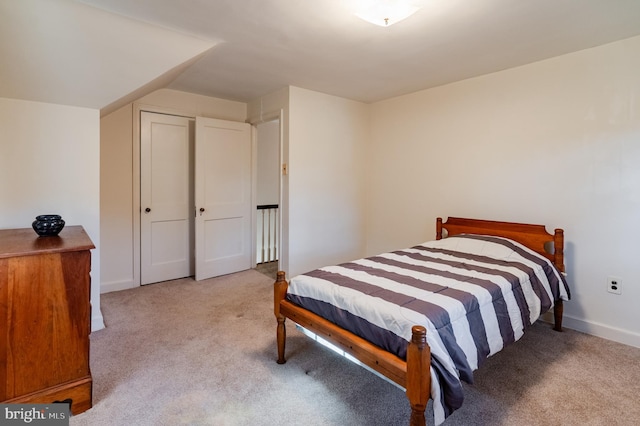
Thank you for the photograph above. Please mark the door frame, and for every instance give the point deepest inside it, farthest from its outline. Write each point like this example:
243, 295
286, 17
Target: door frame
136, 213
277, 115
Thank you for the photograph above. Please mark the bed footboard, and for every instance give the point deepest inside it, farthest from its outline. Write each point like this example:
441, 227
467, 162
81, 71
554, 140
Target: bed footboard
414, 374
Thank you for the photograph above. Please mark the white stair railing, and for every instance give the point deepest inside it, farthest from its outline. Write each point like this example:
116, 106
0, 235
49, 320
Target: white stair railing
267, 233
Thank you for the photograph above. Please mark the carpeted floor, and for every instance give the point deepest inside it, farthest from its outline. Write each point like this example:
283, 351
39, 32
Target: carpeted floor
203, 353
268, 268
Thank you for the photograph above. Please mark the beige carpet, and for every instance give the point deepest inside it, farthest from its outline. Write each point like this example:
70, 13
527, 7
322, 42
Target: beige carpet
269, 269
203, 353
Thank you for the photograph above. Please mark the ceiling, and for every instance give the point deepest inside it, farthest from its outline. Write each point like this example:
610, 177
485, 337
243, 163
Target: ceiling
68, 53
256, 47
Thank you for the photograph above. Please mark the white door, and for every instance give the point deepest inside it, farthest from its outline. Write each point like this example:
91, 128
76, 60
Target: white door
223, 197
166, 197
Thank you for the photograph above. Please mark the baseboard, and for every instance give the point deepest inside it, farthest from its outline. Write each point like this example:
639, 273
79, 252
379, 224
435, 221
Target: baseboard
596, 329
117, 286
97, 320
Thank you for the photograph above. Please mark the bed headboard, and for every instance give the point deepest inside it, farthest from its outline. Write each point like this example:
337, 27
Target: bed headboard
535, 237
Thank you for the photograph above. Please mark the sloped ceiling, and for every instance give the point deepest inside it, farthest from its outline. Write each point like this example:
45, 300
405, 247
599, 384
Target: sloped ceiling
321, 45
65, 52
97, 52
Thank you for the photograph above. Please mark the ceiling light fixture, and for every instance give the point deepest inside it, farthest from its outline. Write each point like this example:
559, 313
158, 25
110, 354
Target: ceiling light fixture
385, 12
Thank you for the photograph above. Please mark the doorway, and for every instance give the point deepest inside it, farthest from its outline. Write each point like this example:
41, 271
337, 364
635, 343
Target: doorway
268, 222
195, 197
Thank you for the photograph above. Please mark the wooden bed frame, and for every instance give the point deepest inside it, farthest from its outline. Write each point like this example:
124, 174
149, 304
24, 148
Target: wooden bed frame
414, 373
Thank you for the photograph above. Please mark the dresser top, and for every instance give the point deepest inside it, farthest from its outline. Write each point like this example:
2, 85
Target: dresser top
25, 242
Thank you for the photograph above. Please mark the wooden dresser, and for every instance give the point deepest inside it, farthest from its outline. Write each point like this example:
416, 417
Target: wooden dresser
45, 317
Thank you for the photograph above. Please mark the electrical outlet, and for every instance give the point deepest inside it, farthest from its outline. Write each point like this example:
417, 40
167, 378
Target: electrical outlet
614, 285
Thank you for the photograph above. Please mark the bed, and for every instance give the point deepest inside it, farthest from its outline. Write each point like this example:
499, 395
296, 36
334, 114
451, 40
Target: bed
427, 316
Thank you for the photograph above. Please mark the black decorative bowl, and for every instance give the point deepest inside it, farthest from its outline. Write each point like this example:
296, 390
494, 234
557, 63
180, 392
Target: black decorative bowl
48, 225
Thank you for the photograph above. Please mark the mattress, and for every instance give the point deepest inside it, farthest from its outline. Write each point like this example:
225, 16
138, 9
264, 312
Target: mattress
474, 294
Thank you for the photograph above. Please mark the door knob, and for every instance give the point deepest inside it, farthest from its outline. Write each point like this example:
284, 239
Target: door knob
201, 210
147, 210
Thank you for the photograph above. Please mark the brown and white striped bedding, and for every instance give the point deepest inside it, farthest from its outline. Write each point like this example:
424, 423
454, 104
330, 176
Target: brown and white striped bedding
474, 294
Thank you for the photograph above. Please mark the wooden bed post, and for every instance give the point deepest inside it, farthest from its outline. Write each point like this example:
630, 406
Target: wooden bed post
438, 228
558, 254
558, 249
418, 374
558, 309
280, 290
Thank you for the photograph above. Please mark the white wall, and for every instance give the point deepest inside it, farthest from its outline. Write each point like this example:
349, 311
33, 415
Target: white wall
268, 159
49, 163
116, 198
555, 142
118, 146
327, 179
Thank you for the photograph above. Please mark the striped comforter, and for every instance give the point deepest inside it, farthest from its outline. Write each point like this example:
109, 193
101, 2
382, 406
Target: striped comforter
473, 293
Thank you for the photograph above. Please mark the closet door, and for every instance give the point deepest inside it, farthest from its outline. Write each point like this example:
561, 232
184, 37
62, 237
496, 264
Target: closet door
166, 197
222, 197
